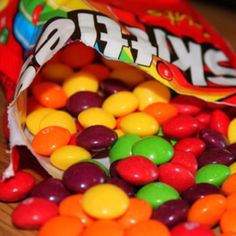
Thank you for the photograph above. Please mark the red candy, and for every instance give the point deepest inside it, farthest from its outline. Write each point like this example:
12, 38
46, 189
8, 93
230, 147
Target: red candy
33, 212
137, 170
219, 121
180, 126
176, 175
17, 187
204, 118
194, 145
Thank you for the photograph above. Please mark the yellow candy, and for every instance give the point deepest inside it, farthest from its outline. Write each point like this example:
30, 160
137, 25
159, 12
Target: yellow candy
233, 168
59, 118
35, 117
139, 123
151, 91
121, 103
68, 155
130, 75
96, 116
57, 72
105, 201
80, 82
231, 131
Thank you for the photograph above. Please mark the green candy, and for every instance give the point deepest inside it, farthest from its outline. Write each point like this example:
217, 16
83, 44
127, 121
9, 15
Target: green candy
213, 174
157, 149
122, 147
157, 193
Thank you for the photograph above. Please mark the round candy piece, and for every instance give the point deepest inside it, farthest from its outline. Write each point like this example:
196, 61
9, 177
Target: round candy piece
105, 201
104, 228
80, 81
34, 119
82, 176
83, 100
171, 212
228, 221
138, 210
47, 140
68, 155
96, 138
204, 118
229, 185
148, 228
231, 134
157, 193
71, 206
122, 147
50, 189
139, 123
176, 175
137, 170
33, 212
96, 116
207, 210
56, 71
180, 126
62, 225
212, 174
151, 91
121, 103
156, 149
191, 228
231, 202
17, 187
161, 111
50, 94
77, 55
198, 191
58, 118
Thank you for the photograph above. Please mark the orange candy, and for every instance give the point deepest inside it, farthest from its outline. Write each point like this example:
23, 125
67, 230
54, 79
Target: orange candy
104, 228
231, 201
161, 111
61, 226
148, 228
137, 211
228, 222
47, 140
77, 55
228, 234
207, 210
50, 94
229, 185
72, 206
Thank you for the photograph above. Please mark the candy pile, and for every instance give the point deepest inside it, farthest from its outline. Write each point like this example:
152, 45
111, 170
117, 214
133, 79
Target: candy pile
172, 157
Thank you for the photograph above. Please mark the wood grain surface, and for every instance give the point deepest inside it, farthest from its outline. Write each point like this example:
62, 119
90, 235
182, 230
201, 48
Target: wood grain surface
223, 20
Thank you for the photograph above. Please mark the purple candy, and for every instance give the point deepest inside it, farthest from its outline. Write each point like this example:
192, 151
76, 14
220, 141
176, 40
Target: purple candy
113, 170
213, 138
232, 149
96, 138
198, 191
51, 189
111, 86
171, 212
216, 156
83, 100
83, 175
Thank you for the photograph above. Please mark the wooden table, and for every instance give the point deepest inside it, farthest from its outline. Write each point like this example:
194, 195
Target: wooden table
223, 19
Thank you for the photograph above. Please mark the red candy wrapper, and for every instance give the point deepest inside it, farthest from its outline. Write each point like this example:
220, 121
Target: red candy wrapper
166, 39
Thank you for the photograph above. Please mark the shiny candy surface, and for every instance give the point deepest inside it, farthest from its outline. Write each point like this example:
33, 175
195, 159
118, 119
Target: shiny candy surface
82, 176
208, 210
68, 155
58, 118
33, 212
228, 221
229, 185
137, 170
121, 103
139, 123
151, 91
105, 201
231, 131
157, 193
47, 140
80, 81
212, 174
156, 149
96, 116
112, 86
